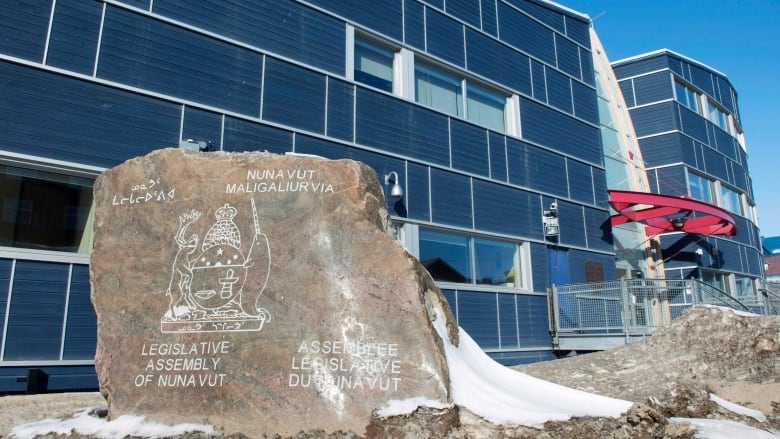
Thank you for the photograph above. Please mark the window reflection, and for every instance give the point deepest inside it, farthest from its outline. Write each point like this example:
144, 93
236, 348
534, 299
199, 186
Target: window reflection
496, 263
44, 210
445, 256
374, 65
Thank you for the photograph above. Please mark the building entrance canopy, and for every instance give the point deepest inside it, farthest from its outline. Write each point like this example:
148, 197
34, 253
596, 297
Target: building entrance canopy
668, 213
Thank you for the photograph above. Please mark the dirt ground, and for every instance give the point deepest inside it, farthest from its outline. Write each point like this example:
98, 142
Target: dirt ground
23, 409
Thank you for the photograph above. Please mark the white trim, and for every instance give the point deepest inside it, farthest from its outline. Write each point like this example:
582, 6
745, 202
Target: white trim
349, 53
7, 310
43, 255
39, 363
665, 51
99, 41
65, 311
45, 58
50, 165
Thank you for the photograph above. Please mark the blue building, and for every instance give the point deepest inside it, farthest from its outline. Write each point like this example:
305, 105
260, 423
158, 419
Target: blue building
484, 111
689, 129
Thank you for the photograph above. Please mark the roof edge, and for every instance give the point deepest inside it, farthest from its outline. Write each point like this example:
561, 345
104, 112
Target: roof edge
666, 51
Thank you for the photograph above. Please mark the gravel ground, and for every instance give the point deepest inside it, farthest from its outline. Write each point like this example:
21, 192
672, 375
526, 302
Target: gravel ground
23, 409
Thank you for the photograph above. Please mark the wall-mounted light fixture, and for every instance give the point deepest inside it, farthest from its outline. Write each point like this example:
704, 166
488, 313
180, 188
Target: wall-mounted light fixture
550, 221
397, 192
194, 145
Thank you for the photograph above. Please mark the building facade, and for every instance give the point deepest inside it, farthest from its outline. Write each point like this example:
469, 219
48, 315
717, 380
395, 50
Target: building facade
687, 121
485, 111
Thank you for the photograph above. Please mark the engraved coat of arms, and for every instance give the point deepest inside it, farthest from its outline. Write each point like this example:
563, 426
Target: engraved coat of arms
207, 286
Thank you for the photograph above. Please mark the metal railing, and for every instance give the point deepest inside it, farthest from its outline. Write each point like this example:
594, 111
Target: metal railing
634, 307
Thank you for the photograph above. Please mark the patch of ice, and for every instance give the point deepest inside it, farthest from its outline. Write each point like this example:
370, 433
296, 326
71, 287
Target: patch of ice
396, 407
736, 408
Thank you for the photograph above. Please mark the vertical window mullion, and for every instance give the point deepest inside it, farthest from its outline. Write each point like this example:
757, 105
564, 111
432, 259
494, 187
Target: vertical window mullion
7, 309
65, 312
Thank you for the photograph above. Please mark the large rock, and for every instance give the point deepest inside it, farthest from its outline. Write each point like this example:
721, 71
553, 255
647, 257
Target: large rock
259, 293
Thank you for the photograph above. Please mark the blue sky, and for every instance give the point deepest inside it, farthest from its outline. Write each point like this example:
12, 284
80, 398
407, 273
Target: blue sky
740, 38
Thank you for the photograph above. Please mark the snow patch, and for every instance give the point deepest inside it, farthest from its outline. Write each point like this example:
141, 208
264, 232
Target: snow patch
724, 429
397, 407
736, 408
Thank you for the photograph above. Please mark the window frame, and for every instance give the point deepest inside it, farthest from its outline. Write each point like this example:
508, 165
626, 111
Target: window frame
521, 261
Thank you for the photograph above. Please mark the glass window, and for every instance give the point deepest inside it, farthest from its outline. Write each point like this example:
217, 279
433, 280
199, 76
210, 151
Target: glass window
497, 263
730, 200
446, 256
438, 90
463, 259
485, 107
700, 188
374, 65
717, 116
744, 287
686, 96
44, 210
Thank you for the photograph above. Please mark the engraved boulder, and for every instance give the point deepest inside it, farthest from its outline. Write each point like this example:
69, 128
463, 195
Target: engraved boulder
259, 293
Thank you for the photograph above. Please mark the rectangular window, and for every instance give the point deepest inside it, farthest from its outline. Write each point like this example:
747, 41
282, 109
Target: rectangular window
468, 260
686, 96
496, 263
457, 96
485, 108
744, 287
730, 200
447, 257
374, 64
717, 116
700, 188
44, 210
438, 90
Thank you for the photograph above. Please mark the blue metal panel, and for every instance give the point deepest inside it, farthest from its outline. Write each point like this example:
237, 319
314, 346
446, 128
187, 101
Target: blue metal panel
57, 117
525, 33
599, 230
559, 91
627, 89
294, 96
241, 135
507, 320
497, 146
671, 180
539, 267
562, 133
664, 149
36, 311
74, 35
383, 16
578, 30
81, 328
539, 83
489, 19
466, 10
414, 24
638, 67
450, 199
23, 33
580, 182
417, 192
341, 105
285, 28
469, 148
692, 124
520, 210
533, 321
654, 118
400, 127
444, 37
726, 96
653, 88
725, 143
585, 104
167, 59
500, 63
478, 315
588, 73
536, 168
568, 55
702, 79
58, 378
572, 223
544, 14
578, 258
201, 125
715, 163
522, 357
